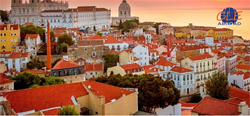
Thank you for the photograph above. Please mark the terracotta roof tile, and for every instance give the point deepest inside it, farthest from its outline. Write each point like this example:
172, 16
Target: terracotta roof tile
87, 42
132, 67
151, 69
200, 57
243, 66
110, 39
242, 94
14, 26
4, 80
180, 69
15, 55
93, 67
163, 62
44, 97
212, 106
247, 58
65, 63
108, 91
95, 37
31, 36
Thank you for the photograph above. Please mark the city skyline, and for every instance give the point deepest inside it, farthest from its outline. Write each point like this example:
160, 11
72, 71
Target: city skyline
155, 4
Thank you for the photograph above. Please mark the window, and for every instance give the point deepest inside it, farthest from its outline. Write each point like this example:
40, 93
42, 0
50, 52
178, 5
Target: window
91, 73
11, 34
75, 78
93, 54
65, 80
11, 40
93, 47
96, 73
4, 34
70, 79
14, 40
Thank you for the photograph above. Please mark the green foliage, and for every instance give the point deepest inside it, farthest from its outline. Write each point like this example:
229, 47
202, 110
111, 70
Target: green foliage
31, 29
4, 15
69, 110
54, 63
52, 81
110, 60
34, 86
99, 33
153, 91
120, 25
52, 36
216, 86
144, 30
37, 64
195, 98
30, 80
94, 28
65, 39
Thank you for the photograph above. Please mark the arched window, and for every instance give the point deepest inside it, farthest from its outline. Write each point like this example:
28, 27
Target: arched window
125, 12
121, 12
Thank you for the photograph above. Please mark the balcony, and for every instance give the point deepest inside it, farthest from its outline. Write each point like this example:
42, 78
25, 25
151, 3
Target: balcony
197, 87
214, 69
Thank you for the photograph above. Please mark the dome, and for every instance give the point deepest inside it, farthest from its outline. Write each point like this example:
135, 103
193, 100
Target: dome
124, 6
124, 9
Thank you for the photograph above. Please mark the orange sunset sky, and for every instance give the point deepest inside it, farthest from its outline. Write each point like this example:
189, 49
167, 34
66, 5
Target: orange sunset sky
155, 4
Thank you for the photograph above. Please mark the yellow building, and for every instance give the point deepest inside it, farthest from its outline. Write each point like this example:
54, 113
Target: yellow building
126, 69
9, 37
217, 33
126, 56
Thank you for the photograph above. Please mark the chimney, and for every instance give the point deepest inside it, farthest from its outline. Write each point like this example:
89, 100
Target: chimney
48, 48
243, 108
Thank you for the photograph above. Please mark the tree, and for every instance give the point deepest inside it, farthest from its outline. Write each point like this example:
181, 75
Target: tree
216, 86
31, 29
37, 64
54, 63
99, 33
25, 80
69, 110
52, 81
65, 39
30, 80
110, 60
154, 92
52, 36
94, 28
144, 30
4, 16
195, 98
120, 25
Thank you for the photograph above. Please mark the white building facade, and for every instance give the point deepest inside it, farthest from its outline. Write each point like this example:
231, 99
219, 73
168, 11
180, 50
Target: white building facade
142, 53
240, 79
59, 15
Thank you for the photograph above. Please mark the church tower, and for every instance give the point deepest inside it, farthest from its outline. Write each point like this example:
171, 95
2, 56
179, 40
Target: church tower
124, 9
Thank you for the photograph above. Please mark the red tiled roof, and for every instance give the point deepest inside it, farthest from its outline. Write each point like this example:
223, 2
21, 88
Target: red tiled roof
131, 67
25, 54
180, 69
163, 62
202, 85
114, 52
110, 39
191, 41
108, 91
226, 44
15, 55
151, 69
44, 97
6, 52
95, 37
4, 80
31, 36
93, 67
199, 37
236, 92
215, 51
200, 57
247, 58
15, 27
212, 106
65, 63
243, 66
